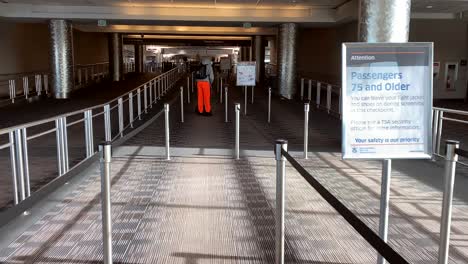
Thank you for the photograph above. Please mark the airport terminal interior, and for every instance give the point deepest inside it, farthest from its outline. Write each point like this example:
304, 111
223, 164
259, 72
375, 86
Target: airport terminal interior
233, 131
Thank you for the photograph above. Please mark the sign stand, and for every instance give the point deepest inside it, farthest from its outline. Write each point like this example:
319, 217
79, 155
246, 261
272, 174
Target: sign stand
245, 103
384, 203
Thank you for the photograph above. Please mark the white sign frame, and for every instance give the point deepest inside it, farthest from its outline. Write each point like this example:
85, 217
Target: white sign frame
376, 149
246, 73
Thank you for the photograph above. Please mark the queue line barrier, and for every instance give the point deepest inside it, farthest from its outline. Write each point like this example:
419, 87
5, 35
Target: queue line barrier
139, 100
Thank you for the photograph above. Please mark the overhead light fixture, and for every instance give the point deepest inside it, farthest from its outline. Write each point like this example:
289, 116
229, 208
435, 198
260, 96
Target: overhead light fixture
429, 6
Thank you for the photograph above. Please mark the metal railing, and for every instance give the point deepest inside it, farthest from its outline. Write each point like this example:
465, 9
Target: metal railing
281, 155
23, 86
86, 74
26, 85
326, 90
18, 137
324, 93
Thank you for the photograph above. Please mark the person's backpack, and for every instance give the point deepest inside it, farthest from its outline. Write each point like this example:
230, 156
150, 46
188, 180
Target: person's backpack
201, 73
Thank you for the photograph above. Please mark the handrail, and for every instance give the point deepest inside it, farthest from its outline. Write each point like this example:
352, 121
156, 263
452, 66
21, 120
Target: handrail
452, 111
370, 236
50, 119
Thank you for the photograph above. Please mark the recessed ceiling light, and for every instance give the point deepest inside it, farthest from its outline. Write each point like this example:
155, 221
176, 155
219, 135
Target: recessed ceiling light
429, 6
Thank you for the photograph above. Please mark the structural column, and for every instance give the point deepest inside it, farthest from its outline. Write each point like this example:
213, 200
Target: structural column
287, 60
384, 20
138, 58
115, 56
260, 58
61, 57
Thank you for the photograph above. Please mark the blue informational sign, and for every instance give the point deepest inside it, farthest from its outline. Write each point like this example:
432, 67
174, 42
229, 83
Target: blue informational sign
387, 100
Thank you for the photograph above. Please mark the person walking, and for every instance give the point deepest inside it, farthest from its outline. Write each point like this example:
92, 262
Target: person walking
204, 77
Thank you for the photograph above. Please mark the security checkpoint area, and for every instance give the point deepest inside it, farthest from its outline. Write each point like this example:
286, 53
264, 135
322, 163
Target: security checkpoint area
234, 132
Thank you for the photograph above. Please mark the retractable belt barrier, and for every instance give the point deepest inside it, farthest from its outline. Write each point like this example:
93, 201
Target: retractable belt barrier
370, 236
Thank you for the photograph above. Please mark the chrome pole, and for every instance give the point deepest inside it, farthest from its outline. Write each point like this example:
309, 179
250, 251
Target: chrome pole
384, 203
88, 122
38, 84
27, 181
105, 150
130, 108
317, 99
65, 144
26, 86
236, 147
435, 123
121, 120
12, 87
280, 199
166, 118
439, 132
181, 104
302, 89
226, 104
139, 103
20, 164
451, 159
306, 130
46, 83
151, 94
14, 179
145, 99
329, 90
309, 95
107, 123
269, 104
58, 136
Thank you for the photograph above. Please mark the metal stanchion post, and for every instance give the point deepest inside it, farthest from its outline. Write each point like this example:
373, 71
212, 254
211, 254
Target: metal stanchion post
88, 122
181, 104
280, 199
384, 203
451, 159
302, 89
226, 104
20, 163
27, 181
245, 101
130, 109
151, 94
269, 104
166, 118
107, 123
237, 111
306, 130
439, 132
121, 120
139, 103
309, 95
435, 123
105, 150
329, 92
13, 167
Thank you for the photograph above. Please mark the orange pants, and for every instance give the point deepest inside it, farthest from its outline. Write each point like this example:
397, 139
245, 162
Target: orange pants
203, 88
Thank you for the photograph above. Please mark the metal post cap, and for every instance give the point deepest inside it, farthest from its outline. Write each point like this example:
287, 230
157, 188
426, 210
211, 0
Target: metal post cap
452, 142
237, 106
306, 107
105, 150
280, 144
166, 107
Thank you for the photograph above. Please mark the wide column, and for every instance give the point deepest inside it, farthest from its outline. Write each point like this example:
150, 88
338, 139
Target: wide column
61, 57
260, 58
287, 60
115, 56
384, 20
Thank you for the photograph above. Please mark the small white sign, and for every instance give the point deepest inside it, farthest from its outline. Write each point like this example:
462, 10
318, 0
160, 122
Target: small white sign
246, 73
387, 100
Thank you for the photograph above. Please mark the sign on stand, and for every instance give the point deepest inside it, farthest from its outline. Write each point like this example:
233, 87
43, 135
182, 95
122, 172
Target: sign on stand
246, 73
387, 102
387, 108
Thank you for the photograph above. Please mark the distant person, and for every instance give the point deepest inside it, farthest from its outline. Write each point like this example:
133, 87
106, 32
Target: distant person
205, 77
